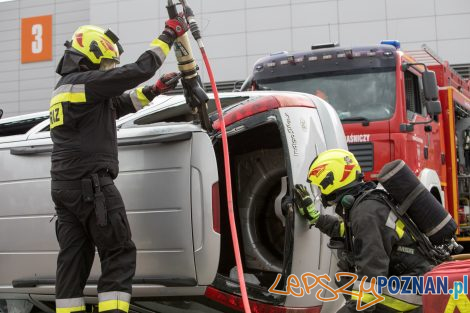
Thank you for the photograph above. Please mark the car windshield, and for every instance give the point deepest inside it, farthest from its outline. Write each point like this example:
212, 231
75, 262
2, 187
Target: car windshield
355, 96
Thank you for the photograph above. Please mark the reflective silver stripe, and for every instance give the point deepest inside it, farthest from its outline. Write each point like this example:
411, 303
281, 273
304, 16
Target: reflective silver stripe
69, 88
69, 303
405, 205
366, 285
135, 100
391, 220
392, 172
440, 226
159, 52
412, 299
114, 295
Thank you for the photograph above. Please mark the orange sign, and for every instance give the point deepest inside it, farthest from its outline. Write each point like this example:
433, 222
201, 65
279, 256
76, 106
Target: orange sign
36, 39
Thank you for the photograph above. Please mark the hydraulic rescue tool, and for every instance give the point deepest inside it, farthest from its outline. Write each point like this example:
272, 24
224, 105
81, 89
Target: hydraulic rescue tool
197, 99
195, 95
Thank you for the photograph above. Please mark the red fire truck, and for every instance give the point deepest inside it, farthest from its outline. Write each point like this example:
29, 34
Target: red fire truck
392, 107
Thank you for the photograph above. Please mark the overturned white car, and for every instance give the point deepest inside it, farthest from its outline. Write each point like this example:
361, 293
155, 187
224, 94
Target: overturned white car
172, 182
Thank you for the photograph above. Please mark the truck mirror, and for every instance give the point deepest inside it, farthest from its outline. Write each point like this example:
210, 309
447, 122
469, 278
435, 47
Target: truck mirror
430, 86
433, 107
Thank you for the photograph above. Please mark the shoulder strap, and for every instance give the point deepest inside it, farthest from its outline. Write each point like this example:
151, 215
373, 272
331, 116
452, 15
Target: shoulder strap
424, 244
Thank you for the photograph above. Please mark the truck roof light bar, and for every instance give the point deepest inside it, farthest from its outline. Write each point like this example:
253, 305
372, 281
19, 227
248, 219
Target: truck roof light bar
325, 45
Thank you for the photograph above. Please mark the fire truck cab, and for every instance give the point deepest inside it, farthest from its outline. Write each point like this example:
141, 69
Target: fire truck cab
393, 105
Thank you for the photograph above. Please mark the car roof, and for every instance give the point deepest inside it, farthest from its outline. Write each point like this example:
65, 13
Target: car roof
164, 102
23, 117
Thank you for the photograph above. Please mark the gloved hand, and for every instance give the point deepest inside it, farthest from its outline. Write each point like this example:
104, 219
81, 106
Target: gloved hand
166, 83
305, 204
177, 26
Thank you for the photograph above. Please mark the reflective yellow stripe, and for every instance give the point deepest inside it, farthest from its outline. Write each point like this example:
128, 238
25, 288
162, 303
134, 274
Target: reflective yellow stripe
113, 305
163, 45
341, 229
400, 229
390, 302
138, 98
73, 97
69, 310
141, 97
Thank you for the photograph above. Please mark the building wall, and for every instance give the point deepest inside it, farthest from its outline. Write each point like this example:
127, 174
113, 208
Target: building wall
26, 88
236, 33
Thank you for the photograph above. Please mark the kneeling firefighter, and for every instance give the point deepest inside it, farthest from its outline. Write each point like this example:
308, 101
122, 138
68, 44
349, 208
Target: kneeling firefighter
371, 240
85, 104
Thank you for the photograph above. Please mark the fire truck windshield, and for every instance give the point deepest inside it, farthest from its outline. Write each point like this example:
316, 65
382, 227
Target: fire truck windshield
369, 95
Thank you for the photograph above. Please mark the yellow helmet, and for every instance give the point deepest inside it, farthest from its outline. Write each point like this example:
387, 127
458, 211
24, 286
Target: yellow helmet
96, 44
333, 169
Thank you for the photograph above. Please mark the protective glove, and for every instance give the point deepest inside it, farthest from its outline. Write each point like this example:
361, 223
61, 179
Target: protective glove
305, 204
166, 83
176, 27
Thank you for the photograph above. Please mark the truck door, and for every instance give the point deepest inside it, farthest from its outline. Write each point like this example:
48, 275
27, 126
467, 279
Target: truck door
424, 139
167, 178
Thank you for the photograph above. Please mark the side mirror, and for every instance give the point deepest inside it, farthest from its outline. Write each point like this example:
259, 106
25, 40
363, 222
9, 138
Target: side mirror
433, 107
431, 92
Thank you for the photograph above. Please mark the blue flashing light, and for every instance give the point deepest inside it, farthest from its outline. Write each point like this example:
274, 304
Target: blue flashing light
394, 43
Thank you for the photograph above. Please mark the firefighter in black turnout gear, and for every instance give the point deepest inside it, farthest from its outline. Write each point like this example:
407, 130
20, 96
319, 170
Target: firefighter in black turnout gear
85, 104
370, 240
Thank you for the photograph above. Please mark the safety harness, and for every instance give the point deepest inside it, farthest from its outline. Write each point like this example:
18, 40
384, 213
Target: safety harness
423, 244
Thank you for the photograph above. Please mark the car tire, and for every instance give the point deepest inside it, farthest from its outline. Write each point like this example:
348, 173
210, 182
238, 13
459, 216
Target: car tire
260, 179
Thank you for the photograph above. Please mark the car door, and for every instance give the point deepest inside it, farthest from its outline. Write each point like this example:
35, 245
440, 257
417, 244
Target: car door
166, 180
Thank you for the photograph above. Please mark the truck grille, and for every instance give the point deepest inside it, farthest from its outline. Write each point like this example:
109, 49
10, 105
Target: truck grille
364, 153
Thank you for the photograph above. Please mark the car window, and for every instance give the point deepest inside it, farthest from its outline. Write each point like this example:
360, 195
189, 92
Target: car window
182, 112
20, 127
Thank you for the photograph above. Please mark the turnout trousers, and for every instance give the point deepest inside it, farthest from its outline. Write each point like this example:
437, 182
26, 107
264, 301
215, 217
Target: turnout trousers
78, 233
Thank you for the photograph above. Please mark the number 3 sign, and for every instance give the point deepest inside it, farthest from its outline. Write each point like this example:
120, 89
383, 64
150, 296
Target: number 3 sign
36, 39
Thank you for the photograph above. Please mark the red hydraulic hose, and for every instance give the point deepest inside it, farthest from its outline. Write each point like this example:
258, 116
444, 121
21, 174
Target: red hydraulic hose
228, 179
228, 183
